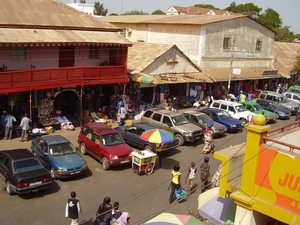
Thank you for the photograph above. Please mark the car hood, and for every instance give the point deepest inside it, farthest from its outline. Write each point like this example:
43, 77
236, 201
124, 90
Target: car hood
118, 150
69, 161
232, 121
189, 127
218, 126
266, 112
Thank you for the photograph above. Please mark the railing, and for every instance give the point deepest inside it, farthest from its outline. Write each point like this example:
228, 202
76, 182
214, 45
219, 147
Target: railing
64, 75
281, 130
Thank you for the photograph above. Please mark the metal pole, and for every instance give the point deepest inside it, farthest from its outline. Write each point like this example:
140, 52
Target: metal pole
231, 62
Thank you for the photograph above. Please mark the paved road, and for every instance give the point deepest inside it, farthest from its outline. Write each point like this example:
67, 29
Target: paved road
142, 196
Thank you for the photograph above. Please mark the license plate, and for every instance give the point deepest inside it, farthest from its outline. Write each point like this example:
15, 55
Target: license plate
35, 183
197, 137
76, 172
125, 161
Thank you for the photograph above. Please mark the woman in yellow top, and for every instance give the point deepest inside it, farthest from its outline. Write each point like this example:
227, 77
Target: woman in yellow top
175, 184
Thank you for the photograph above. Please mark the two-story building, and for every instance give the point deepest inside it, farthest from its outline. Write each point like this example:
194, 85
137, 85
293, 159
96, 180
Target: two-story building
50, 50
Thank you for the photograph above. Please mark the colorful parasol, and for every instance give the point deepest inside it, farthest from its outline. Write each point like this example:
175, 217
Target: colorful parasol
142, 78
174, 219
157, 136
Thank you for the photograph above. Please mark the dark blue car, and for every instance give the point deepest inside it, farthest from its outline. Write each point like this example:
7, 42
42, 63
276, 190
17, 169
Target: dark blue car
281, 112
59, 156
223, 117
131, 135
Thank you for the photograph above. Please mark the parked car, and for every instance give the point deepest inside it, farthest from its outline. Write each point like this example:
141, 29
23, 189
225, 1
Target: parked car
22, 172
282, 113
223, 117
257, 109
105, 144
173, 122
59, 156
292, 96
236, 110
295, 89
277, 97
201, 119
131, 135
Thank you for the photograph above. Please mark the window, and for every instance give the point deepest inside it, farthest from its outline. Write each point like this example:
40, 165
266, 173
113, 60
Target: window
223, 106
18, 53
157, 117
93, 52
216, 105
167, 121
194, 119
258, 45
226, 43
148, 113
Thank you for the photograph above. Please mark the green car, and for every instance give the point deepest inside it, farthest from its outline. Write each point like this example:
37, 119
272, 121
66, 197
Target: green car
257, 109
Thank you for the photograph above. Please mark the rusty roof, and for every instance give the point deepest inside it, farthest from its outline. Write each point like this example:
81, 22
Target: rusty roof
48, 14
141, 55
42, 37
171, 19
249, 73
285, 56
195, 10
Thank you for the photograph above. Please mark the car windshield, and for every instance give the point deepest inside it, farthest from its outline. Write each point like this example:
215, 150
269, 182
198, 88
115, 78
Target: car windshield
61, 149
224, 115
111, 139
205, 118
285, 100
179, 120
240, 108
26, 165
257, 107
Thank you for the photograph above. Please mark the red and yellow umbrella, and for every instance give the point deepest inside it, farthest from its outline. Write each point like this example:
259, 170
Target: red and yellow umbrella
157, 136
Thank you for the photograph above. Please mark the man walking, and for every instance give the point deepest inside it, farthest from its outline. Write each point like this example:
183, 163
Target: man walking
9, 121
205, 174
73, 209
191, 175
25, 128
122, 113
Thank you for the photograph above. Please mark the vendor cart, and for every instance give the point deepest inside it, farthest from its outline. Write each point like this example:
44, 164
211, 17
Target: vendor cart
143, 161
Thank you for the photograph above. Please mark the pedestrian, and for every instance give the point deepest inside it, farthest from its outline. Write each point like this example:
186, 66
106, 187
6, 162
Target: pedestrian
3, 117
104, 212
208, 139
25, 128
249, 97
205, 174
122, 113
9, 125
191, 175
123, 219
73, 209
175, 105
175, 183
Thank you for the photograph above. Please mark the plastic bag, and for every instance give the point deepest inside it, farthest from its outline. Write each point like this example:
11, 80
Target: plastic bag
180, 193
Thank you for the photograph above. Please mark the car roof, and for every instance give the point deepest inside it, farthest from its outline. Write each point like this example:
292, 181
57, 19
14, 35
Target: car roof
293, 93
249, 103
100, 127
272, 93
265, 100
195, 112
216, 110
20, 153
164, 111
52, 139
145, 125
227, 102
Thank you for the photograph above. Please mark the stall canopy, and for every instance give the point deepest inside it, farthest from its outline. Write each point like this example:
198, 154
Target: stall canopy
174, 219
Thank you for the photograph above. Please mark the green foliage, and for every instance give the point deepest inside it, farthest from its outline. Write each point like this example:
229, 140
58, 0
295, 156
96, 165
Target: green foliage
297, 64
136, 12
208, 6
114, 14
283, 34
99, 9
297, 36
158, 12
270, 18
247, 9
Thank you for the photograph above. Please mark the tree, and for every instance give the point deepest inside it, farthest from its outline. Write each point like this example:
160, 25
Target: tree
158, 12
114, 14
99, 9
136, 12
246, 9
270, 18
208, 6
297, 64
284, 34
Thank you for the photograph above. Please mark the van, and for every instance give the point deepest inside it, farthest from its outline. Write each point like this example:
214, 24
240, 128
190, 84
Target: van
235, 109
173, 122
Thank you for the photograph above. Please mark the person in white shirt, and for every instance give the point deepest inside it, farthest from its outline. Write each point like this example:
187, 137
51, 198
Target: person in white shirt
122, 112
25, 128
191, 175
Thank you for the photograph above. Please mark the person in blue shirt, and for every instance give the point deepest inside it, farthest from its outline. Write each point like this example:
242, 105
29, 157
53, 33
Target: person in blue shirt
9, 123
3, 121
249, 97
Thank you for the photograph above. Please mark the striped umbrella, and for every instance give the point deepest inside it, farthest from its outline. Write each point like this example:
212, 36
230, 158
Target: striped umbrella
174, 219
157, 136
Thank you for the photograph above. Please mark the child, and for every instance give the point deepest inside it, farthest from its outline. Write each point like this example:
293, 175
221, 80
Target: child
191, 177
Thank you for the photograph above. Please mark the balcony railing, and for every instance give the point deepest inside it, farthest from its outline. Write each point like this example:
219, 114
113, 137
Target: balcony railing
54, 77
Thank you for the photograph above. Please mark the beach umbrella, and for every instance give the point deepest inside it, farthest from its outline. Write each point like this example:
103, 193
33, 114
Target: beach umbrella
142, 78
157, 136
174, 219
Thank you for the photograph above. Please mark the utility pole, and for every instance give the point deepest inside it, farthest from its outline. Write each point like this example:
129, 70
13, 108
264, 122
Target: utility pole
231, 62
121, 8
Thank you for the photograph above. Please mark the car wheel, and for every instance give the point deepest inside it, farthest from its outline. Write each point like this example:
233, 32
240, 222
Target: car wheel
277, 115
8, 188
148, 147
105, 163
83, 149
181, 140
53, 173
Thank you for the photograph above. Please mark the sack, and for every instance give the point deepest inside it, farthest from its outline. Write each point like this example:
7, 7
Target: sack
180, 193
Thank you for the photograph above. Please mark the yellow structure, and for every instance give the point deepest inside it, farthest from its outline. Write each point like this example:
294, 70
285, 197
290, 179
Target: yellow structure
263, 180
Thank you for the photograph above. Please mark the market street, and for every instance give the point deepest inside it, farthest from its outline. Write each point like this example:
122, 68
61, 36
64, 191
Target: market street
143, 196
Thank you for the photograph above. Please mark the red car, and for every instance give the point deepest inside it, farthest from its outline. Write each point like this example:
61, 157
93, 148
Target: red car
105, 144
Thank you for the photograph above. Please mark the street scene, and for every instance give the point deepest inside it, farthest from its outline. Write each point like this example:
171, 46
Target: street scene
184, 116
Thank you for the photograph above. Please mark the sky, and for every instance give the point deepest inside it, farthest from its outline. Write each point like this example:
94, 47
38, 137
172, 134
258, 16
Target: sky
287, 9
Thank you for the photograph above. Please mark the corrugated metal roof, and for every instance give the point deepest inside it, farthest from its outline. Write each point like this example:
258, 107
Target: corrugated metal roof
195, 10
36, 37
249, 73
170, 19
48, 13
285, 56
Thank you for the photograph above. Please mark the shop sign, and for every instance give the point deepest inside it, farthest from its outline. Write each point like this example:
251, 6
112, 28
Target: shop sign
278, 179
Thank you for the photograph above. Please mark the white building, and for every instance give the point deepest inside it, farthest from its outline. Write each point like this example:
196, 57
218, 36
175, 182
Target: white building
82, 6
